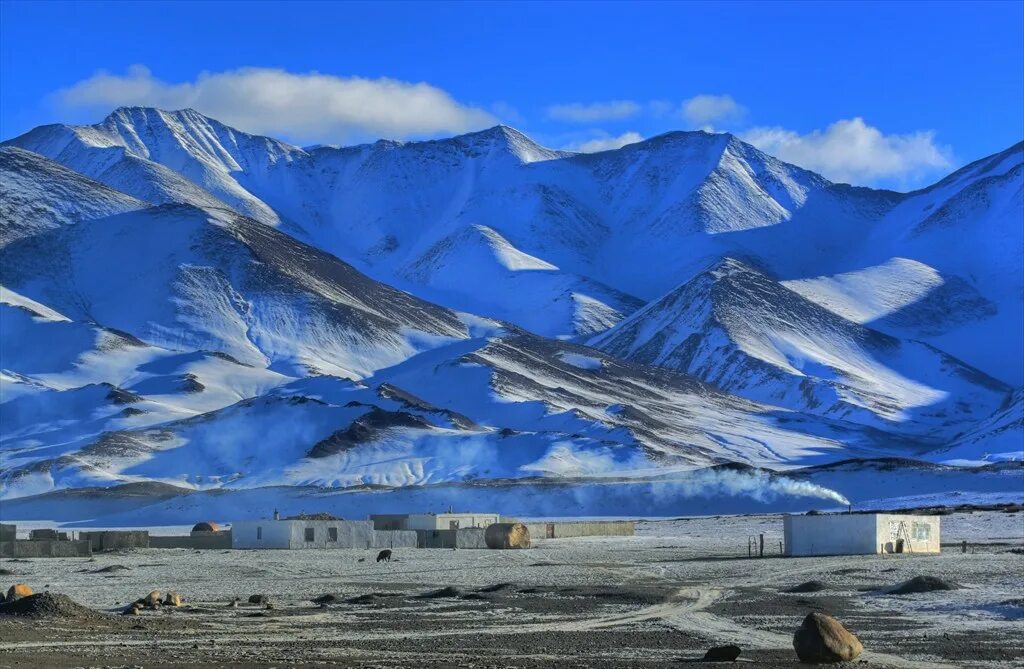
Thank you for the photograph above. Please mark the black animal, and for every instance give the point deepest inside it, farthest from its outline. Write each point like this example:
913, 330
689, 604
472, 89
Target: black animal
384, 556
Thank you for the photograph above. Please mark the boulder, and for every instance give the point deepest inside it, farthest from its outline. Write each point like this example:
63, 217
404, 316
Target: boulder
173, 599
17, 591
152, 600
722, 654
258, 599
822, 638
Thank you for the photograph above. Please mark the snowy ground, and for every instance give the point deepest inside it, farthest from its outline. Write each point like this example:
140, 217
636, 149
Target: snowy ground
665, 595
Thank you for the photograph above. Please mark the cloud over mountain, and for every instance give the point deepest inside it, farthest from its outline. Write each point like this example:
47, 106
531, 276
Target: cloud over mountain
852, 151
704, 109
306, 107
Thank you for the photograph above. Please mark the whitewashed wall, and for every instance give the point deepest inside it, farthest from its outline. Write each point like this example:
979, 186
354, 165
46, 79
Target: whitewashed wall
276, 534
859, 534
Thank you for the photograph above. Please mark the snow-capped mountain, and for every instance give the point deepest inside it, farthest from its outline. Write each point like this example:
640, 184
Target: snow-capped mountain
186, 303
38, 194
736, 327
197, 279
670, 205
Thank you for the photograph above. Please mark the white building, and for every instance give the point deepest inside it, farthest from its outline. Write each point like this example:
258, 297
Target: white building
433, 521
315, 534
860, 534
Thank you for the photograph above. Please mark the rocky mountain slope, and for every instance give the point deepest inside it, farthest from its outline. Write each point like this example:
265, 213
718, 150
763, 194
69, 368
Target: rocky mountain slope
186, 303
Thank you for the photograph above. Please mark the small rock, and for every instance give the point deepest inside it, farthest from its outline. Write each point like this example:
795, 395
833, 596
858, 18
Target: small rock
17, 591
809, 586
722, 654
448, 591
173, 599
328, 598
822, 638
258, 599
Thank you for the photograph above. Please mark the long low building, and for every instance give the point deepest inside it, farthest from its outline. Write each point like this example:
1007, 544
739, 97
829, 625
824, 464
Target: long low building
860, 534
433, 521
300, 534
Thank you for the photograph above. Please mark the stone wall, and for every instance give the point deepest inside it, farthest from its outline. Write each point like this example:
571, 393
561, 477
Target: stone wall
394, 539
468, 538
109, 540
207, 541
595, 528
471, 538
44, 548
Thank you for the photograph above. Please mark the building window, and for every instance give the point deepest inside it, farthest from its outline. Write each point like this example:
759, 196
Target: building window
259, 534
922, 531
332, 533
310, 534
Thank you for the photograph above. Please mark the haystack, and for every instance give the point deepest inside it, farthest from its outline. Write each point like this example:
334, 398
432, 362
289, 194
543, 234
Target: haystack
206, 526
507, 535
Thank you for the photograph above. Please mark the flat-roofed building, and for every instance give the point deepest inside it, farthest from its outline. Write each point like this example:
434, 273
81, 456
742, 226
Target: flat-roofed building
433, 521
860, 534
305, 533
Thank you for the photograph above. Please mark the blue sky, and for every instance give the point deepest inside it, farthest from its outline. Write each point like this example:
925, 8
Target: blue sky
881, 94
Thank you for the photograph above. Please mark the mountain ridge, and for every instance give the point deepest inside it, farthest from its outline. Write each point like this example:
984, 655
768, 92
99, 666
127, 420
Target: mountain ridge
220, 307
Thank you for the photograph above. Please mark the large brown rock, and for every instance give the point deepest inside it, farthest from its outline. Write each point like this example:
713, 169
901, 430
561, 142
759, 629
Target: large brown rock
17, 591
822, 638
152, 600
173, 599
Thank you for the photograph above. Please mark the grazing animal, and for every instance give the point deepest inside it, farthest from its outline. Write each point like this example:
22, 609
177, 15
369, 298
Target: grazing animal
384, 556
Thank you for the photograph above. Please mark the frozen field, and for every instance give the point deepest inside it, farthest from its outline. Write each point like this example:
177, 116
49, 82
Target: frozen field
665, 595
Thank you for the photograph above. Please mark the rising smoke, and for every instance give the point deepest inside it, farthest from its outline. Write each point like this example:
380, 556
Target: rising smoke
756, 484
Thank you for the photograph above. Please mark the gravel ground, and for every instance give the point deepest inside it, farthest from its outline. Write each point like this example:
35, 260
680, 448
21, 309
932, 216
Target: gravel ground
654, 600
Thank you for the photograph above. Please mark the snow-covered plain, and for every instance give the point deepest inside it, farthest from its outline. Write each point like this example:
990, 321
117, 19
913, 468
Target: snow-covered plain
185, 304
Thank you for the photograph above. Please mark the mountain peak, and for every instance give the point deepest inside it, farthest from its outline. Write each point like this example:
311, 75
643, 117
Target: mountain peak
506, 138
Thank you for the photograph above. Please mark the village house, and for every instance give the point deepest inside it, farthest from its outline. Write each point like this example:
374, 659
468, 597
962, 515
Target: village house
860, 534
318, 531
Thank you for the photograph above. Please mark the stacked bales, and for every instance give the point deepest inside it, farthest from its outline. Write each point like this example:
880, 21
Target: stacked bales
507, 535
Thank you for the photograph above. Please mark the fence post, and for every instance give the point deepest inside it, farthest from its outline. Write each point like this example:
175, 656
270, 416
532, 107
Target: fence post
761, 548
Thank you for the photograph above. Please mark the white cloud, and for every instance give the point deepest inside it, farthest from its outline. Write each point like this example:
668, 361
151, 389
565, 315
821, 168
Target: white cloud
702, 110
303, 107
852, 151
605, 143
595, 111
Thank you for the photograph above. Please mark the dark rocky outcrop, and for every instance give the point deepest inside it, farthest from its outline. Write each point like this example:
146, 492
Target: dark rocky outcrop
722, 654
923, 584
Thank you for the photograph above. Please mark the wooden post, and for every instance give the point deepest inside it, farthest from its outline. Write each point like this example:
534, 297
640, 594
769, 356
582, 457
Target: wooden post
761, 549
750, 551
965, 546
781, 551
